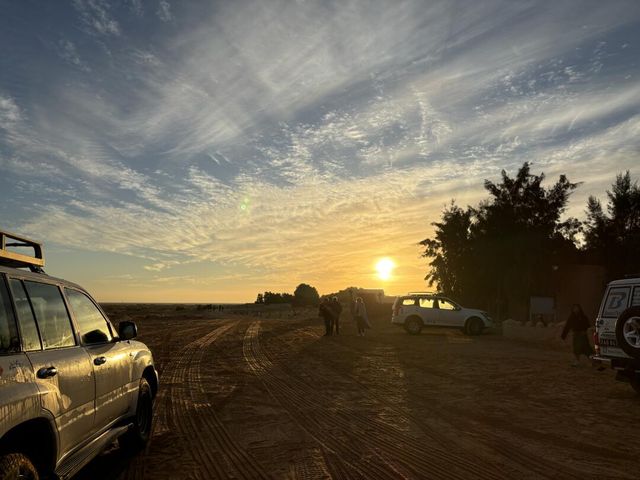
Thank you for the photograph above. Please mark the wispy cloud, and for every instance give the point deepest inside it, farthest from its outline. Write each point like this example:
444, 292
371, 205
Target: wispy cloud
164, 11
96, 17
272, 143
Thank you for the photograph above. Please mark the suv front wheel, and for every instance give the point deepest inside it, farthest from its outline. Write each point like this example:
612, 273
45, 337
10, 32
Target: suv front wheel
474, 326
16, 466
138, 435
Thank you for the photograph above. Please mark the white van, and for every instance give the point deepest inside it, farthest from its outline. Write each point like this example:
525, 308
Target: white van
617, 335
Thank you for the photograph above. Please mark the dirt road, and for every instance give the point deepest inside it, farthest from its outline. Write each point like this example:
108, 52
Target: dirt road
252, 398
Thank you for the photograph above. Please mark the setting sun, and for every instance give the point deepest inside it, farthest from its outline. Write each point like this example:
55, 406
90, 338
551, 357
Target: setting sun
384, 267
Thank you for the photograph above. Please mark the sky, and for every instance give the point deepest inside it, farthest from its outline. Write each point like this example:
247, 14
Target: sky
205, 151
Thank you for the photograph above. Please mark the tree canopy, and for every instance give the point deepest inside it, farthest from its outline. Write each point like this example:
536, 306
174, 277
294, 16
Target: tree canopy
306, 295
612, 237
303, 295
512, 239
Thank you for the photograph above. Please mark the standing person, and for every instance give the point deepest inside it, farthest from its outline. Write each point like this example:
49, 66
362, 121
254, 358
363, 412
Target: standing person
360, 315
325, 312
337, 310
578, 323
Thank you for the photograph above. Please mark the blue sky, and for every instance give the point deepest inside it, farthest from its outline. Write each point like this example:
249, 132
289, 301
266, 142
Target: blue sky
205, 151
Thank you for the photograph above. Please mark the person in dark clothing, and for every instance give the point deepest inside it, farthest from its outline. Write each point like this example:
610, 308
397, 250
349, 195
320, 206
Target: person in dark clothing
336, 308
326, 313
578, 324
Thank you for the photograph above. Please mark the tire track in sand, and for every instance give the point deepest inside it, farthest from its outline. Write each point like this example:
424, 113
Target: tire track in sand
389, 451
512, 452
188, 411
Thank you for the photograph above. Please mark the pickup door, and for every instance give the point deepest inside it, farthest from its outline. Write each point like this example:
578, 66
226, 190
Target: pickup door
64, 375
112, 362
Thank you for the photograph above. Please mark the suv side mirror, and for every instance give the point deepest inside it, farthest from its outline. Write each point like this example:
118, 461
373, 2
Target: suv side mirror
127, 330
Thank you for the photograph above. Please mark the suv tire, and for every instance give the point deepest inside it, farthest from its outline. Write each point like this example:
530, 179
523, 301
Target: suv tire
16, 466
413, 325
138, 435
628, 332
474, 326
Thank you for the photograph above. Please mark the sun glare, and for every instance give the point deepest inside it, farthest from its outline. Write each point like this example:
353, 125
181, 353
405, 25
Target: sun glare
384, 267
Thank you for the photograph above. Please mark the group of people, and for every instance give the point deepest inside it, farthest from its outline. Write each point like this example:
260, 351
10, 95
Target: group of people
330, 310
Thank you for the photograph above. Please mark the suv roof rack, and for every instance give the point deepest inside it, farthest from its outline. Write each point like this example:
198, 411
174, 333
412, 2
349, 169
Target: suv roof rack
10, 258
632, 275
423, 293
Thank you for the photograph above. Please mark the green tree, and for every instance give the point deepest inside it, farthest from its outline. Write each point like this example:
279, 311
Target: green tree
613, 237
306, 295
501, 251
450, 250
259, 299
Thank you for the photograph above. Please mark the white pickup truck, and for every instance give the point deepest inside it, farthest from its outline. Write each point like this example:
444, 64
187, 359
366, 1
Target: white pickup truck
70, 383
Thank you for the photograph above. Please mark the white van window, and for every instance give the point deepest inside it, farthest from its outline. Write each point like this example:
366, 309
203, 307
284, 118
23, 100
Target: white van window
617, 300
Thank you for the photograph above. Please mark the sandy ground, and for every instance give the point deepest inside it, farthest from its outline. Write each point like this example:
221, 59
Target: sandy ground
249, 398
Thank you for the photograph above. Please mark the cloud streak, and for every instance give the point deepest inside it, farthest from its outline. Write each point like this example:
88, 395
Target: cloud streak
254, 144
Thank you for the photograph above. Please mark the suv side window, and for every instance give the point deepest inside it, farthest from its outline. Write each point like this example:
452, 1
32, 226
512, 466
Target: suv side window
445, 304
26, 320
92, 325
9, 341
426, 302
635, 299
408, 301
51, 314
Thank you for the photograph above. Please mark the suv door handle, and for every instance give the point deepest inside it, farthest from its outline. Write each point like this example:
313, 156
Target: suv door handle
47, 372
99, 360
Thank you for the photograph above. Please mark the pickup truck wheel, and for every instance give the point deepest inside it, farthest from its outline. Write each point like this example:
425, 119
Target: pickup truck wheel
474, 326
413, 325
628, 331
138, 435
16, 466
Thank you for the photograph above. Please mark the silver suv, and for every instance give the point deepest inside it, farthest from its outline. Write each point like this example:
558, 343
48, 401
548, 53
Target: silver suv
617, 335
70, 383
417, 310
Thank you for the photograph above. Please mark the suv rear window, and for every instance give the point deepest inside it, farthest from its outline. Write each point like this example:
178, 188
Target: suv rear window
616, 302
51, 314
9, 342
